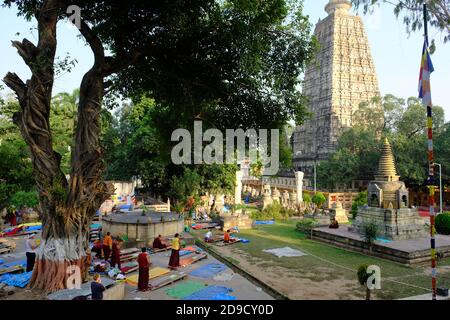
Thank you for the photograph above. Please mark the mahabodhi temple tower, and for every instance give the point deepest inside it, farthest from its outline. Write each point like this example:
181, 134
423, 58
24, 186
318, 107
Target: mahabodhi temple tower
341, 77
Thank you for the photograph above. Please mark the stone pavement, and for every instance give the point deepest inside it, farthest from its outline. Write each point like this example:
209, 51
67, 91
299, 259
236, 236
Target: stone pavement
243, 289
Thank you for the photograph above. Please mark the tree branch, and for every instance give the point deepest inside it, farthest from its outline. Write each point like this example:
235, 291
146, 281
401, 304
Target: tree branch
94, 42
27, 50
16, 84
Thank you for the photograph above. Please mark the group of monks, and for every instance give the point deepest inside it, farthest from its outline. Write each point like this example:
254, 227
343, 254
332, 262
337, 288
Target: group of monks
145, 262
109, 249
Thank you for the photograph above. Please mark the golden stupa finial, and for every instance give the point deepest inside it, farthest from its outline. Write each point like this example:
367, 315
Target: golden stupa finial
386, 166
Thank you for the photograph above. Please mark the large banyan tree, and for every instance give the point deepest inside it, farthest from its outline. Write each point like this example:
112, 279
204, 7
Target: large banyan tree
237, 61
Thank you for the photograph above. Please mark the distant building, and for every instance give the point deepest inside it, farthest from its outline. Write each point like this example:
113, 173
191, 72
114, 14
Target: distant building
342, 76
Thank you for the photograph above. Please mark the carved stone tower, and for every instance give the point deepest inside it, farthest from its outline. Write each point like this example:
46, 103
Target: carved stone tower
341, 77
388, 203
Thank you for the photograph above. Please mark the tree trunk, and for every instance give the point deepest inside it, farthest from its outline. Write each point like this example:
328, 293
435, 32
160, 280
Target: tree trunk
66, 208
367, 293
59, 250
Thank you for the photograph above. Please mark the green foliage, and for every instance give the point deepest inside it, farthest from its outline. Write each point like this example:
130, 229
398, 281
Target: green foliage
22, 199
16, 170
306, 198
63, 113
362, 274
275, 211
443, 223
306, 225
411, 11
403, 123
370, 232
319, 199
360, 200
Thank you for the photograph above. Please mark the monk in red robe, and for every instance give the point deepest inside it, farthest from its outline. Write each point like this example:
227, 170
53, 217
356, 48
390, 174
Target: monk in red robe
174, 261
115, 253
158, 243
144, 265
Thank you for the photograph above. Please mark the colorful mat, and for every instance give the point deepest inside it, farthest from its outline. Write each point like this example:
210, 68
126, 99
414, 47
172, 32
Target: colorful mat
189, 250
212, 293
185, 289
264, 222
208, 270
16, 280
152, 273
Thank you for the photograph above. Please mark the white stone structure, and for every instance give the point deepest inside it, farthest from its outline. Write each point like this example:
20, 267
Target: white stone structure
340, 79
299, 186
238, 187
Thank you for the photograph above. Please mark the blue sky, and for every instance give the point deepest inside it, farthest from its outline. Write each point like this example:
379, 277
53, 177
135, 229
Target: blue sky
396, 55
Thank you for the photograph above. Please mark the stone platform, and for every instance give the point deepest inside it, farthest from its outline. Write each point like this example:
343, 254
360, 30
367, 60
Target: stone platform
411, 251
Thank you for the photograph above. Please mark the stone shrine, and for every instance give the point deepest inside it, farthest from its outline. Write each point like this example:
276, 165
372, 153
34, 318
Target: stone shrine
340, 79
388, 204
338, 213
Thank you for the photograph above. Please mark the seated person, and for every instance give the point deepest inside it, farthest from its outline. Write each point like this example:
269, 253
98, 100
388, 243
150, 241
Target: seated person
158, 243
227, 238
209, 236
334, 224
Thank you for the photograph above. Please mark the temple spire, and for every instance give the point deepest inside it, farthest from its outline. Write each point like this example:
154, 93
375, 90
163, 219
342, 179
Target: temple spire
386, 166
341, 6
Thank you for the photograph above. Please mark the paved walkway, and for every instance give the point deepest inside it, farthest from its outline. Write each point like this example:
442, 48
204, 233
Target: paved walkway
243, 289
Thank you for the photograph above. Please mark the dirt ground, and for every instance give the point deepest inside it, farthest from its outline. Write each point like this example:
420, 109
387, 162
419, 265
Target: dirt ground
313, 285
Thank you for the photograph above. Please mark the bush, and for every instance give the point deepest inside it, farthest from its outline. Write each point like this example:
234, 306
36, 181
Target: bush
443, 223
306, 198
275, 211
319, 199
370, 232
360, 200
24, 199
306, 225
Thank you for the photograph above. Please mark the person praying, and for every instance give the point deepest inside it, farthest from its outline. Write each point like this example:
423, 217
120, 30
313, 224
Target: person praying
174, 261
144, 264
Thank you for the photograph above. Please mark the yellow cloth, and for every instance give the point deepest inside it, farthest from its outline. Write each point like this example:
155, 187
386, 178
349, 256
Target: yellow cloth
176, 244
152, 273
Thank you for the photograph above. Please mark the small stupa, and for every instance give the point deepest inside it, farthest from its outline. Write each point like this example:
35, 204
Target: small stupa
388, 203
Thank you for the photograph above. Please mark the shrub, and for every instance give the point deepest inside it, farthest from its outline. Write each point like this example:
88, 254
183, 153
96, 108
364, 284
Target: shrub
306, 225
443, 223
24, 199
363, 276
360, 200
319, 199
370, 232
274, 211
306, 198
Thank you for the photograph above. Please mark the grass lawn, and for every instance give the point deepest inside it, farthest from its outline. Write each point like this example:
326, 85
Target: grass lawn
324, 262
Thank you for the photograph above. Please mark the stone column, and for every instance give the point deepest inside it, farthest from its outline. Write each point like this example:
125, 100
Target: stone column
238, 188
299, 186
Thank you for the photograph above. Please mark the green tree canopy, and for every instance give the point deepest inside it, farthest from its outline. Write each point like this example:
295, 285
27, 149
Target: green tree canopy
438, 13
